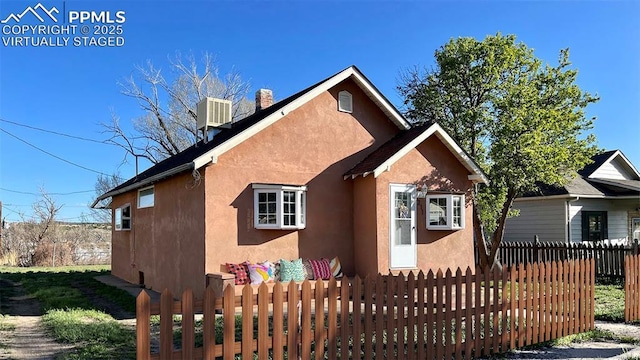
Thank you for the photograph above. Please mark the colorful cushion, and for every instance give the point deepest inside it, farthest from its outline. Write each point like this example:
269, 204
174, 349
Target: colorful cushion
336, 269
321, 269
275, 269
291, 270
260, 273
241, 272
308, 270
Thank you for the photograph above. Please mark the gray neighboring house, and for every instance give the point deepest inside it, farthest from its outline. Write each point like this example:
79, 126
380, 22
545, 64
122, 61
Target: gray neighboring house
601, 204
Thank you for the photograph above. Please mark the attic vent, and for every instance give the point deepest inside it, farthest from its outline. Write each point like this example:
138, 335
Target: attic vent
214, 113
345, 103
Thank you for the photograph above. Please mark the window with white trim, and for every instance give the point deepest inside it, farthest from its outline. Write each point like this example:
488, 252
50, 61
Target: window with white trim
122, 217
445, 212
345, 101
279, 206
146, 197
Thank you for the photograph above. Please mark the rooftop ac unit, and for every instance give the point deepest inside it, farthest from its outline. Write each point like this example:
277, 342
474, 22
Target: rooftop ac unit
213, 112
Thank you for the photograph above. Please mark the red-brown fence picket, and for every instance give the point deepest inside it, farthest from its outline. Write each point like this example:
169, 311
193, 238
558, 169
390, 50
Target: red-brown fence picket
632, 288
434, 315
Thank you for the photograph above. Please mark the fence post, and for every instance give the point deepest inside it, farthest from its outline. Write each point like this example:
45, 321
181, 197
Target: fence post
536, 248
143, 314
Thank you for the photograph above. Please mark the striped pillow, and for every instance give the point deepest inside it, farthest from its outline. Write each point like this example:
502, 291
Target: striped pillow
336, 269
321, 269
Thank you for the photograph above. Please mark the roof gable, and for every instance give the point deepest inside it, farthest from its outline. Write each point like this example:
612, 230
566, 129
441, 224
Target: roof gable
610, 174
613, 165
201, 153
350, 72
393, 150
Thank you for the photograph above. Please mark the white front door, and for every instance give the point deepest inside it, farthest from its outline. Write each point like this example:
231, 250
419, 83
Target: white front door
402, 234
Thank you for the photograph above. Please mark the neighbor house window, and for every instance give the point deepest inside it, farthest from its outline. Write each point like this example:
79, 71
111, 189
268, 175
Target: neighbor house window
123, 217
345, 101
279, 206
594, 225
445, 212
146, 197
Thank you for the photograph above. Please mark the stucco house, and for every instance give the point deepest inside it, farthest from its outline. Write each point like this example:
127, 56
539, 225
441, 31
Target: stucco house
333, 170
601, 204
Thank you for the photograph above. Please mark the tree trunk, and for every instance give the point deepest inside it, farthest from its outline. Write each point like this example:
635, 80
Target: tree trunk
498, 234
478, 232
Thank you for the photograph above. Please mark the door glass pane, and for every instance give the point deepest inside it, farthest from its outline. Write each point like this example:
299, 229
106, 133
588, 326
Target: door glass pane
635, 228
403, 205
402, 223
402, 232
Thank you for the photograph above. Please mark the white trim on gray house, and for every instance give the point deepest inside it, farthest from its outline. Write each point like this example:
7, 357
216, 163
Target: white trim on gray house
607, 193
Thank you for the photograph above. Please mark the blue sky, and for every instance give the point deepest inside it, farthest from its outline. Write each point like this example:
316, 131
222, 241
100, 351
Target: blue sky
284, 46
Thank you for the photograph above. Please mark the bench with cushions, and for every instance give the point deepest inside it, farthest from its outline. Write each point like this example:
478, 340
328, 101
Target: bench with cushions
298, 270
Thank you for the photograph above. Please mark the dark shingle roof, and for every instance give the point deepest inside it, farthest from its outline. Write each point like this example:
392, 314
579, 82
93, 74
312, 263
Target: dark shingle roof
186, 156
585, 186
386, 150
598, 160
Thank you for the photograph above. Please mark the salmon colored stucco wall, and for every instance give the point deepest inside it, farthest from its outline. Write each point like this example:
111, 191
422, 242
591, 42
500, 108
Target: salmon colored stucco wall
364, 223
313, 145
165, 241
433, 163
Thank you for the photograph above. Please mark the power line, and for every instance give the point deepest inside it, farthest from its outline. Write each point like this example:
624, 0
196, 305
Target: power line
52, 155
56, 133
48, 193
31, 217
65, 205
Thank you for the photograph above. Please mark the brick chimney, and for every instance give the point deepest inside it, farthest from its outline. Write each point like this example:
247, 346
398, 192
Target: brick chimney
264, 99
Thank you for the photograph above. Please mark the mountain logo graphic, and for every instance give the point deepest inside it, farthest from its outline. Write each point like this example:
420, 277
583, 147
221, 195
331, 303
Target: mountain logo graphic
35, 11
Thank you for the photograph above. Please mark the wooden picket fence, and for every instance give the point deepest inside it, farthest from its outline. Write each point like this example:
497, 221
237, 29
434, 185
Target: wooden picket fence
632, 288
428, 316
609, 259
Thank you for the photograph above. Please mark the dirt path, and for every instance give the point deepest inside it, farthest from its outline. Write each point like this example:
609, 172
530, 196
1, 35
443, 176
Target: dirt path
28, 340
589, 350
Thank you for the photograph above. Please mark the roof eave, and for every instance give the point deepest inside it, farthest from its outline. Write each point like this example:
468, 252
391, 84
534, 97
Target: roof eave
612, 182
147, 181
575, 196
476, 176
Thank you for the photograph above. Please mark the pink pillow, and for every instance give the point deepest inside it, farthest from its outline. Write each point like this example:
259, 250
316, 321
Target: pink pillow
321, 269
241, 272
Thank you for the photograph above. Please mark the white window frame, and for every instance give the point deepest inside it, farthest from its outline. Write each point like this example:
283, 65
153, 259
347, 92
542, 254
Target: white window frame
118, 218
279, 190
350, 97
449, 198
153, 197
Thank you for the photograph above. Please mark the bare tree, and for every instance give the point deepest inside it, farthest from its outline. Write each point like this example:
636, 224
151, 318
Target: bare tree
168, 124
27, 238
101, 213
